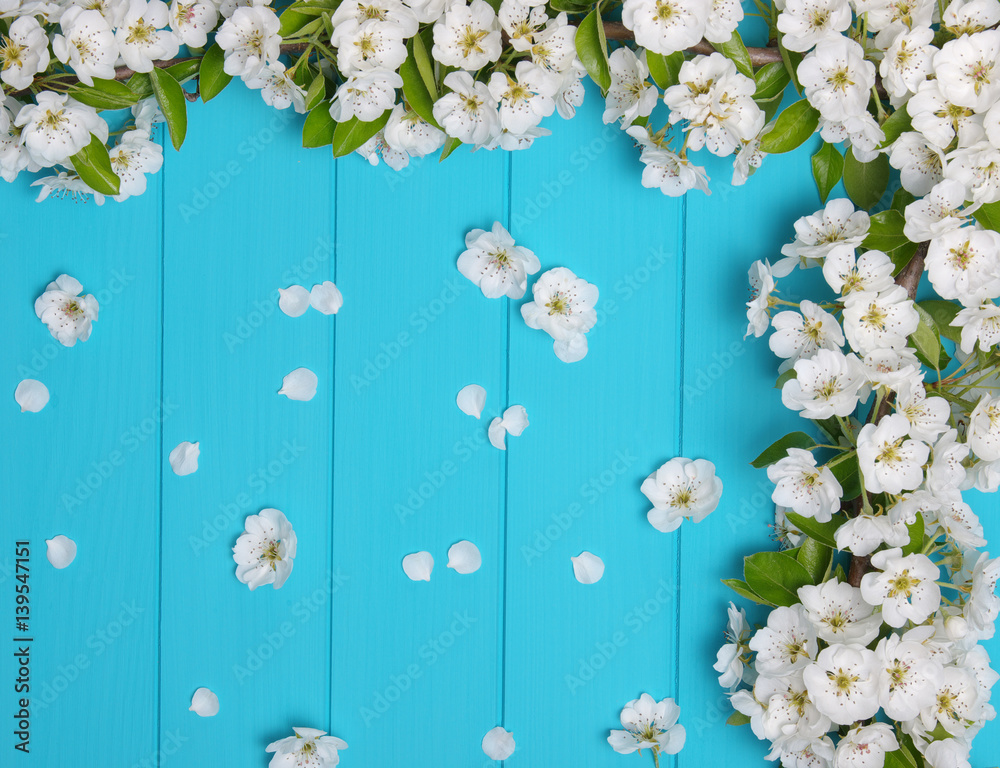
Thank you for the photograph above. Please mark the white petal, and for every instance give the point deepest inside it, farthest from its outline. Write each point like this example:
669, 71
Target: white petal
300, 384
497, 434
418, 566
471, 399
587, 568
293, 300
464, 557
204, 703
61, 551
498, 744
184, 458
326, 298
31, 395
515, 419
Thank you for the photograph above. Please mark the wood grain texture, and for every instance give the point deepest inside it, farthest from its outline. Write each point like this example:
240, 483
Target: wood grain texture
382, 463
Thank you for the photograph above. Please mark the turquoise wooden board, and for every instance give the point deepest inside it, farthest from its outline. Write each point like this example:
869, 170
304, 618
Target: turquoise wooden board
381, 463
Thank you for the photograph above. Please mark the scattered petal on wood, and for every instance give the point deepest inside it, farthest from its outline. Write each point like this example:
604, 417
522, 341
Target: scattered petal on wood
300, 384
184, 458
31, 395
471, 400
293, 300
497, 434
326, 298
498, 744
418, 566
61, 551
587, 568
464, 557
204, 703
515, 419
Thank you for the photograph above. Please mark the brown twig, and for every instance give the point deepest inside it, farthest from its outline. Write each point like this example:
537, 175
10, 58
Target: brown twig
908, 278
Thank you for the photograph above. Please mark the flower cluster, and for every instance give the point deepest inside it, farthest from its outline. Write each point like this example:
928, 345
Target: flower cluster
882, 601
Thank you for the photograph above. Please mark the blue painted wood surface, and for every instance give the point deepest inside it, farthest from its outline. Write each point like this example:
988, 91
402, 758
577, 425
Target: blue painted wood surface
190, 346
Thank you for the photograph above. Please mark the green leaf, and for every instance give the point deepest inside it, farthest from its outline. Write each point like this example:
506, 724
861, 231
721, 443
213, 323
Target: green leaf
450, 145
736, 51
292, 20
592, 49
105, 94
741, 588
93, 165
570, 6
664, 70
943, 312
173, 104
899, 759
988, 215
823, 533
775, 576
886, 231
316, 92
865, 182
319, 126
184, 70
901, 256
784, 377
779, 449
828, 168
916, 536
791, 61
738, 718
212, 78
926, 341
815, 557
771, 80
140, 85
415, 90
425, 65
348, 136
849, 477
897, 124
794, 126
901, 199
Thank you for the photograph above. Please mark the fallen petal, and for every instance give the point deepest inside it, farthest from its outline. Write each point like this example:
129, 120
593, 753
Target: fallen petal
418, 566
300, 384
587, 568
293, 300
464, 557
61, 551
31, 395
471, 400
497, 434
184, 458
498, 744
204, 703
327, 298
515, 419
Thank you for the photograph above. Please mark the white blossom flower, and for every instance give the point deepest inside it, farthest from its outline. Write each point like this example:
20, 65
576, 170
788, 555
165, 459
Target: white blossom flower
192, 20
839, 613
761, 278
365, 95
308, 748
467, 36
980, 324
563, 307
132, 158
907, 63
141, 38
407, 132
368, 44
56, 128
469, 111
86, 44
403, 15
723, 19
865, 747
526, 98
904, 586
631, 95
68, 315
378, 147
495, 264
946, 473
889, 462
277, 88
977, 168
649, 724
967, 69
939, 119
964, 17
804, 753
250, 39
984, 429
957, 520
843, 683
265, 551
66, 184
928, 416
938, 212
982, 607
666, 26
24, 52
801, 335
836, 78
908, 677
836, 225
571, 91
891, 368
730, 660
521, 19
788, 715
947, 753
957, 702
964, 264
805, 489
787, 644
847, 273
804, 23
879, 321
920, 163
863, 534
681, 488
553, 47
828, 384
670, 173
